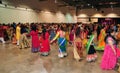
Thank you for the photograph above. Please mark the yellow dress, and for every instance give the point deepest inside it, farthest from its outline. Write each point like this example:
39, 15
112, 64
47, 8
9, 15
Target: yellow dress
18, 33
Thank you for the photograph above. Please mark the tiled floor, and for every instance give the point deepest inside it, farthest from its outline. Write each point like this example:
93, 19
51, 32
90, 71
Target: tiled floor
15, 60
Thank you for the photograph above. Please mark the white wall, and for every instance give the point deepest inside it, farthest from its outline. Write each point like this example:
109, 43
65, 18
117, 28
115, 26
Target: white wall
57, 17
8, 15
12, 15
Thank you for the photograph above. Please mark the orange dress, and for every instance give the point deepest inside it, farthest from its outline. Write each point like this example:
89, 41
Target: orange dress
101, 42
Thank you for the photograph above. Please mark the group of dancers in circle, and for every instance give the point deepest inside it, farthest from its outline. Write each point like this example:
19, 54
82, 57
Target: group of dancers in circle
83, 38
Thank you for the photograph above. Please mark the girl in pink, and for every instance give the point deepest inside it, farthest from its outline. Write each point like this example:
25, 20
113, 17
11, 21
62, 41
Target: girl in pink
35, 39
44, 43
109, 57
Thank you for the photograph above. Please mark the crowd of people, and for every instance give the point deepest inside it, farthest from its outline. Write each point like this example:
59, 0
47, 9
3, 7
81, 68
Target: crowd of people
83, 37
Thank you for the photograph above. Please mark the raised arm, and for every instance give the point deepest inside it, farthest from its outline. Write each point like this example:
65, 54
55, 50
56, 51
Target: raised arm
56, 36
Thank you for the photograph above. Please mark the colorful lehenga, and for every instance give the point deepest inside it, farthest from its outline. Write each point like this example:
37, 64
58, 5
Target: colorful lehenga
78, 49
91, 52
61, 43
101, 42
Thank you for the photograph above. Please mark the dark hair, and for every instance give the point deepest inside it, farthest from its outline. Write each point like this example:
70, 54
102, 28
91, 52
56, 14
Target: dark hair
103, 26
110, 31
33, 27
77, 33
115, 41
61, 27
72, 27
43, 32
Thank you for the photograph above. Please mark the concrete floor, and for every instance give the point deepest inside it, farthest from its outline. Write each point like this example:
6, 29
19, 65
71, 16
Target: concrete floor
15, 60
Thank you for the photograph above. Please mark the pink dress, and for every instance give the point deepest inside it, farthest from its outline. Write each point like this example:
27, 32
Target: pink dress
35, 41
45, 46
109, 58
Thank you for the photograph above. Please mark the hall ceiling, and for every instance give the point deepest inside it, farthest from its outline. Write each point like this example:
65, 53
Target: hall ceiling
54, 4
83, 4
33, 4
